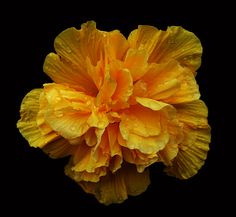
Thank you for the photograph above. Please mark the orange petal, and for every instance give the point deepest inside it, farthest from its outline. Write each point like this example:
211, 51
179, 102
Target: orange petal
87, 159
136, 62
124, 85
195, 145
193, 114
68, 110
143, 129
175, 130
115, 188
154, 105
107, 89
90, 137
74, 48
192, 153
98, 119
138, 158
174, 43
144, 38
62, 72
171, 83
115, 150
141, 121
117, 45
59, 148
28, 126
79, 176
179, 44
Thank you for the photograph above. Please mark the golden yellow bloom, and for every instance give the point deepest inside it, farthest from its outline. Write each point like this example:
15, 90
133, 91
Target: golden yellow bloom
118, 105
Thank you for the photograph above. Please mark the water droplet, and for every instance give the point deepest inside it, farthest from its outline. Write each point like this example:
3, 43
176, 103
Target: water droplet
143, 86
59, 114
58, 99
88, 103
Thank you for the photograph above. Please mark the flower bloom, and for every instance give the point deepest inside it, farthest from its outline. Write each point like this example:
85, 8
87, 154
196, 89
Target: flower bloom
119, 105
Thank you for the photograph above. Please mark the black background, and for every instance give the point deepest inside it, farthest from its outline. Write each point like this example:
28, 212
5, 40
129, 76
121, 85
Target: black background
37, 184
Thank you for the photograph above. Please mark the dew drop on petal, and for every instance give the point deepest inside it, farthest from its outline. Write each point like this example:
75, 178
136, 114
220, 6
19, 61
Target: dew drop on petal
58, 114
58, 99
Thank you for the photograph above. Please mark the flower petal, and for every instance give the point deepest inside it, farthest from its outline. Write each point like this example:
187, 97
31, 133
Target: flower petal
115, 188
124, 85
75, 45
174, 43
79, 176
136, 62
175, 130
68, 111
171, 83
153, 104
90, 158
197, 136
90, 137
181, 45
144, 38
88, 164
141, 121
194, 114
62, 72
59, 148
76, 49
117, 45
143, 129
107, 89
138, 158
192, 153
115, 149
28, 126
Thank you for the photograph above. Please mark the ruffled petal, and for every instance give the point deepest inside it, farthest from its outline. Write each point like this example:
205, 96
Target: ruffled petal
117, 45
59, 148
175, 130
63, 72
78, 51
143, 129
117, 87
114, 146
138, 158
69, 122
194, 114
115, 188
179, 44
91, 137
171, 83
136, 62
192, 153
28, 126
90, 163
153, 104
107, 89
124, 85
174, 43
71, 113
195, 145
79, 176
144, 38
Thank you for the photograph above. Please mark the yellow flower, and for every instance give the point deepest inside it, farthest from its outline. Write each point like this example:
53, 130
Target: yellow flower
118, 105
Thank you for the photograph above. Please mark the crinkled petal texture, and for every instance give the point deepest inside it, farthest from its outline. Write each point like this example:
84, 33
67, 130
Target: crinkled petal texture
119, 105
